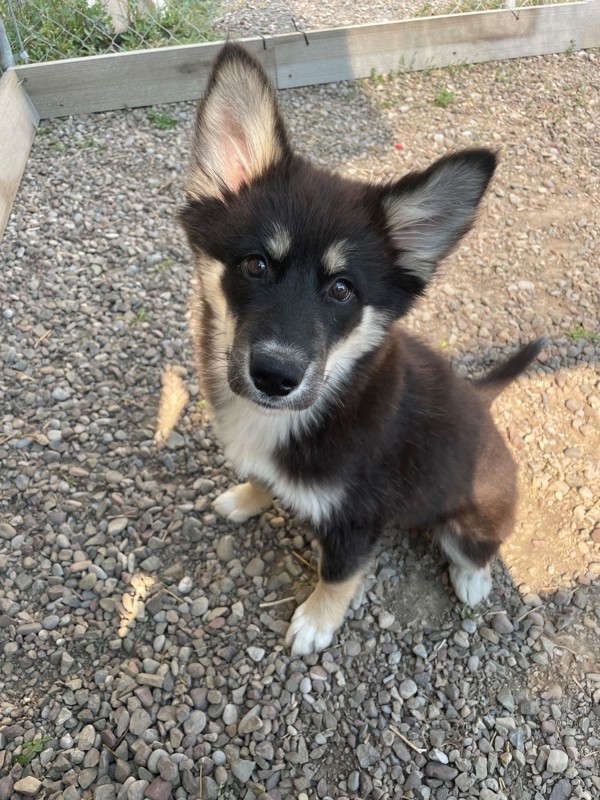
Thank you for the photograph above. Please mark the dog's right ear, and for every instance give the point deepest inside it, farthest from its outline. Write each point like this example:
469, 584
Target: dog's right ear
239, 131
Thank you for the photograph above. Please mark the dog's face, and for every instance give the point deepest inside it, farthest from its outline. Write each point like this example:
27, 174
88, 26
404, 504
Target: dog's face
302, 272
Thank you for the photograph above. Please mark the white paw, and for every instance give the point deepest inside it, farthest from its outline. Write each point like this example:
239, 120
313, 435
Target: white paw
308, 631
242, 502
471, 585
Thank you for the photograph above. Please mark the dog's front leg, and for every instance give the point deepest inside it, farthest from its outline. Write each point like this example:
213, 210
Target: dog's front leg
342, 566
242, 502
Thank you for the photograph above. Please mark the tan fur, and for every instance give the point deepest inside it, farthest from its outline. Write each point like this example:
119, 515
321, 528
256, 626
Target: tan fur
317, 619
335, 258
173, 399
329, 601
238, 141
280, 243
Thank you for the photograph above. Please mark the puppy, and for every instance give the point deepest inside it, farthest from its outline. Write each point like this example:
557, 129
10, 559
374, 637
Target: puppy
317, 394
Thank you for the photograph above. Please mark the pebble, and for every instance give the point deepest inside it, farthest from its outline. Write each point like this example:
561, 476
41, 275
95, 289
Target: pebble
242, 769
195, 723
226, 548
7, 786
386, 620
256, 653
255, 567
28, 786
367, 755
558, 761
561, 790
441, 772
185, 585
139, 722
501, 624
408, 688
159, 789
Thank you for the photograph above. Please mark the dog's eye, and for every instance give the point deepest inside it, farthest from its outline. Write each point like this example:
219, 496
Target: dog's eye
255, 266
341, 291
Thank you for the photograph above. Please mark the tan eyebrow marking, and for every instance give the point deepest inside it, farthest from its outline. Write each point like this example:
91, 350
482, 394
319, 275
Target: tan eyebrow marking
279, 243
335, 258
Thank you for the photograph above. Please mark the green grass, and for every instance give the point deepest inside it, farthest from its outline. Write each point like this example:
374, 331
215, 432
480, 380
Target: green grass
443, 98
29, 750
582, 333
161, 120
165, 265
53, 29
141, 316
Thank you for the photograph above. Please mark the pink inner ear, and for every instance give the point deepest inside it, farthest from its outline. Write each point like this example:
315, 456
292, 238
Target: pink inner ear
236, 157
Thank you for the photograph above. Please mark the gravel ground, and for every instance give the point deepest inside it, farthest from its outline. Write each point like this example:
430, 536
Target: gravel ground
142, 637
240, 18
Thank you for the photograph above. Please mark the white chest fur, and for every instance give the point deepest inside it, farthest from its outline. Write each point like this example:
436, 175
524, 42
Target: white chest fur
251, 437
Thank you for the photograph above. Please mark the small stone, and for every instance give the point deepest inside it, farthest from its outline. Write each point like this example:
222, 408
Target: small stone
168, 770
195, 723
175, 441
117, 526
367, 755
159, 789
407, 689
230, 714
7, 786
506, 699
501, 624
226, 548
185, 585
558, 761
561, 790
441, 772
28, 786
50, 622
87, 777
86, 738
140, 722
256, 653
242, 769
255, 567
386, 620
353, 781
250, 722
137, 790
61, 394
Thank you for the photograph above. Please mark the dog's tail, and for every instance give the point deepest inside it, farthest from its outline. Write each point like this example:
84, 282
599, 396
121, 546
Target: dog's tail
499, 377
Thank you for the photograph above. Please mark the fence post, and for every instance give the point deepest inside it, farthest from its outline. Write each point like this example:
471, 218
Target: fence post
6, 55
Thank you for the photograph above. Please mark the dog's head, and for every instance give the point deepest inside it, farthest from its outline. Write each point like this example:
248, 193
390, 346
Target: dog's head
303, 271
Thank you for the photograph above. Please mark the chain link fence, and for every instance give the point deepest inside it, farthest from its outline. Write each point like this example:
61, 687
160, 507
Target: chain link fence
45, 30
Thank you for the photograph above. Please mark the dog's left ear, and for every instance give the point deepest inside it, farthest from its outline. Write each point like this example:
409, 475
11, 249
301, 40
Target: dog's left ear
427, 213
239, 131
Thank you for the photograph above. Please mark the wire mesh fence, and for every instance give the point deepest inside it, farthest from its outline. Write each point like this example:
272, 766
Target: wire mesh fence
47, 30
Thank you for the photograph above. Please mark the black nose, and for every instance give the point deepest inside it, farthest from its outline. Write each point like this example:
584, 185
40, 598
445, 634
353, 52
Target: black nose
274, 375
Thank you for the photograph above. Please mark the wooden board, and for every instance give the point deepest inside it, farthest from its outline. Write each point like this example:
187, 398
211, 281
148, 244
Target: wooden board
18, 123
416, 44
125, 80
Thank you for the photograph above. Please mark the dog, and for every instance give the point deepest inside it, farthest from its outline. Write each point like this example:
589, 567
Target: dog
318, 395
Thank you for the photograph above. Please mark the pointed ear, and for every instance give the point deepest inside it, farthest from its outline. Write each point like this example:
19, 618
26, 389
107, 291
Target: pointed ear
239, 130
427, 213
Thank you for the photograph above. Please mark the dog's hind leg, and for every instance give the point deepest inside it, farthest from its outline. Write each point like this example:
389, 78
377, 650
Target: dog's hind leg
242, 502
469, 563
